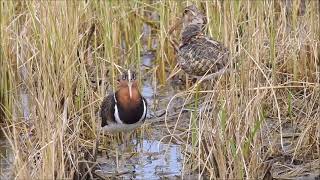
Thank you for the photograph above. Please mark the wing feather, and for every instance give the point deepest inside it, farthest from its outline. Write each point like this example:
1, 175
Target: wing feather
201, 54
107, 110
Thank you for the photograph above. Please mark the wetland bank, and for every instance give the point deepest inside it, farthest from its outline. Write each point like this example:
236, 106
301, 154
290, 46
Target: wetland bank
59, 58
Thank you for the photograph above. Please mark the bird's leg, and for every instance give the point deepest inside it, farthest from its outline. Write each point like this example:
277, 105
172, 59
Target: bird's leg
96, 145
117, 160
127, 138
118, 149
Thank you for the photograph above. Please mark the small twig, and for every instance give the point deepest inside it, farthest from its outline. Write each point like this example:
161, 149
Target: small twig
174, 44
174, 27
124, 172
175, 71
213, 75
157, 116
99, 176
88, 172
160, 119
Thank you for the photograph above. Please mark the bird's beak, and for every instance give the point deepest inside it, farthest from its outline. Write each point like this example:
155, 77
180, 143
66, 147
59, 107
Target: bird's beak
130, 89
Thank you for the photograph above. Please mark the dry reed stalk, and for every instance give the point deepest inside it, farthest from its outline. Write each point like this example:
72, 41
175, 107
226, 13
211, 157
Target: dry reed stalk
49, 63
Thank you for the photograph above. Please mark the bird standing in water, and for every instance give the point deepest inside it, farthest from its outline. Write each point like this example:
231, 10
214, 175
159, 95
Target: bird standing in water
198, 54
122, 111
126, 109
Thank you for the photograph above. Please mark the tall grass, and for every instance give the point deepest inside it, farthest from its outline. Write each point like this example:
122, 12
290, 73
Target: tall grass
58, 58
275, 50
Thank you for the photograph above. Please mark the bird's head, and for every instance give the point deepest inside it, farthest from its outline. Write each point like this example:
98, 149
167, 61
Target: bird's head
128, 84
193, 21
192, 16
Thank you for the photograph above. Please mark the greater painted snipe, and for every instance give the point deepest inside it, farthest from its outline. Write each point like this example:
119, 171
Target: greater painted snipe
198, 54
125, 109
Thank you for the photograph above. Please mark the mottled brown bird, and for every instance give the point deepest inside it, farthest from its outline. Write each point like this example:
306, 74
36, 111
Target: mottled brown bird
199, 54
125, 109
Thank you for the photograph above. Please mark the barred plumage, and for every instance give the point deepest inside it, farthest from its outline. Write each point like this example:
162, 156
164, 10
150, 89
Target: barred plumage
199, 54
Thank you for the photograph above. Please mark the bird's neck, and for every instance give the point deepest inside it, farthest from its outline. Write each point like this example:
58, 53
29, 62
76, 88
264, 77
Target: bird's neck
191, 31
126, 101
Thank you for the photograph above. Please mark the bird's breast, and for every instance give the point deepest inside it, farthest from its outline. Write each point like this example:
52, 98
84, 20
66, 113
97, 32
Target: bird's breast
130, 113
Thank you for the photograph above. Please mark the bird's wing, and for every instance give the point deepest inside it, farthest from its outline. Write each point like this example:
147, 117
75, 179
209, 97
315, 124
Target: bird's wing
203, 52
207, 48
107, 110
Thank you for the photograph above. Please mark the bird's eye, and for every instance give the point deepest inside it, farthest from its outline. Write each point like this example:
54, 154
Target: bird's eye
124, 77
133, 76
185, 12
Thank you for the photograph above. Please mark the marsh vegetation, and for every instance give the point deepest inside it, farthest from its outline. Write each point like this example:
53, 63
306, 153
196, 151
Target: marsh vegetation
60, 58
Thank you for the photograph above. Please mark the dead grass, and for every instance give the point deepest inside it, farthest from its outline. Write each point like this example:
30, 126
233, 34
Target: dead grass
59, 57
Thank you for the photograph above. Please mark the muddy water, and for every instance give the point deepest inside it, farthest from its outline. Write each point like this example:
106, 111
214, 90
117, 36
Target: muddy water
150, 160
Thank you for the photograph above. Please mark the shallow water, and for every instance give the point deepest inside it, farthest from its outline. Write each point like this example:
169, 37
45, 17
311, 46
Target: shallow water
150, 160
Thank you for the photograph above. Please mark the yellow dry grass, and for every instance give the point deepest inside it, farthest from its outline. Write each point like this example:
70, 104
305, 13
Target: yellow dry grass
55, 69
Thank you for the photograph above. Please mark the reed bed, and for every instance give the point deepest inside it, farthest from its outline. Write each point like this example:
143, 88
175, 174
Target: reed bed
58, 58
